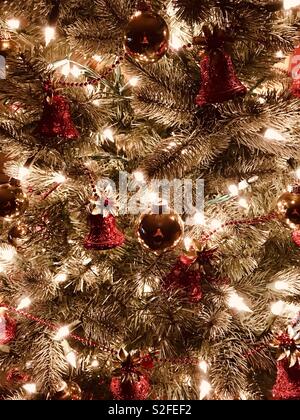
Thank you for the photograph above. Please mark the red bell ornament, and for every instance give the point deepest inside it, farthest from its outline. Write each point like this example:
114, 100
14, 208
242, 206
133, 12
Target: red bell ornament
56, 120
104, 233
130, 389
287, 386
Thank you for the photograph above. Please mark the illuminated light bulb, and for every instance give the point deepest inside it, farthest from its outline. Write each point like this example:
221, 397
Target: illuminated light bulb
233, 189
205, 388
243, 203
60, 278
297, 173
272, 134
139, 176
279, 54
277, 308
280, 285
188, 242
152, 197
86, 261
289, 4
243, 185
199, 219
203, 366
65, 70
61, 333
49, 34
30, 388
7, 253
172, 144
175, 41
147, 288
216, 224
24, 303
237, 302
13, 24
59, 178
23, 173
76, 71
134, 81
72, 359
95, 363
97, 58
243, 396
108, 134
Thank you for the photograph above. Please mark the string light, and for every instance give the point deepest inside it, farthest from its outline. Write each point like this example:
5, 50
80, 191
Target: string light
13, 24
72, 358
188, 242
216, 224
108, 134
134, 81
280, 285
61, 333
139, 176
95, 363
272, 134
49, 32
233, 189
66, 68
235, 301
243, 203
205, 388
147, 288
58, 178
203, 366
97, 58
60, 278
289, 4
277, 308
23, 173
30, 388
279, 54
199, 219
7, 254
24, 303
175, 40
297, 173
75, 71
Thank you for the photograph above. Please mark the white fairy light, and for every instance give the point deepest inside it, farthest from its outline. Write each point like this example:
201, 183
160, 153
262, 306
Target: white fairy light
86, 261
297, 173
233, 189
216, 224
175, 39
23, 173
280, 285
205, 388
62, 332
243, 185
199, 219
97, 58
279, 54
72, 359
60, 278
75, 71
49, 34
24, 303
237, 302
108, 134
203, 366
147, 288
58, 178
66, 68
243, 203
277, 308
134, 81
139, 176
272, 134
30, 388
188, 242
13, 24
95, 363
7, 254
289, 4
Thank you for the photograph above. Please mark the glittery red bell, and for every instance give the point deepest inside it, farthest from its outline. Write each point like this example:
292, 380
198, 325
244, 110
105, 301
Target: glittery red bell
219, 80
296, 237
287, 386
56, 119
7, 329
183, 276
130, 389
104, 233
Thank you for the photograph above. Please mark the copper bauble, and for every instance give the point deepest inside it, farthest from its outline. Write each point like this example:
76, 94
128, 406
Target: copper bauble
288, 207
13, 201
17, 235
69, 391
160, 229
6, 45
146, 37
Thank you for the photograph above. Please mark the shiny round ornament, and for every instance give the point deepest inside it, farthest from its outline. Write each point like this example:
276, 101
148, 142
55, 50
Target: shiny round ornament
69, 391
17, 235
13, 201
288, 207
160, 229
147, 37
130, 389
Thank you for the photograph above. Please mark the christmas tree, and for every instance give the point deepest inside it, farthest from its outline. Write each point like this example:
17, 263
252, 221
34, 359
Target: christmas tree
149, 199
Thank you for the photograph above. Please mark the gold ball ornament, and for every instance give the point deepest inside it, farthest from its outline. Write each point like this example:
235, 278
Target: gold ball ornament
147, 37
17, 235
69, 391
13, 201
160, 229
288, 207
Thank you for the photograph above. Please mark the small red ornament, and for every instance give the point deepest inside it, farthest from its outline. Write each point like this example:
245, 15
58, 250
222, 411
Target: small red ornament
16, 377
287, 386
184, 276
104, 233
296, 237
8, 328
130, 389
56, 120
295, 72
219, 80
